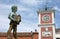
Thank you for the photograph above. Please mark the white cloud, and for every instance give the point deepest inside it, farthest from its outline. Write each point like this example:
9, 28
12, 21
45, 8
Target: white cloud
4, 23
56, 8
5, 6
20, 7
27, 26
31, 2
34, 2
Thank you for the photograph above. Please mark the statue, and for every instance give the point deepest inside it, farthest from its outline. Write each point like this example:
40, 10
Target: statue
14, 21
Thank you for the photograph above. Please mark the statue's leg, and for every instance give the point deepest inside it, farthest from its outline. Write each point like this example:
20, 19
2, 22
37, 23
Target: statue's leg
15, 32
9, 31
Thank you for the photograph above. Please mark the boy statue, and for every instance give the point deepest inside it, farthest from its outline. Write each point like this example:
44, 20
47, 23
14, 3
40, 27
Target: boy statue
14, 21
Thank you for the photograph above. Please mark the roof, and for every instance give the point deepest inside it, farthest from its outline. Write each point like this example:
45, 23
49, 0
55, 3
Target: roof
19, 33
57, 30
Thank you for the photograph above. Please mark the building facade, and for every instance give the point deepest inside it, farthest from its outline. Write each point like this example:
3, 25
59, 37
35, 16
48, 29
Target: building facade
21, 35
47, 28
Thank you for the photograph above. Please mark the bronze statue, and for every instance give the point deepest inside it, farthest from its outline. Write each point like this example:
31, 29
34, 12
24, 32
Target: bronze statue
14, 21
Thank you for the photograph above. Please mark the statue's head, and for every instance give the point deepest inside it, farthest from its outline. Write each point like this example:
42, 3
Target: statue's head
14, 9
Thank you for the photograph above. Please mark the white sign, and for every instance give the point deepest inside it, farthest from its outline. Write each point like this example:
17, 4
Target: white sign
46, 34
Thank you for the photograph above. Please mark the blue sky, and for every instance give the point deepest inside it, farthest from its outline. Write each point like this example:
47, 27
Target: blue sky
28, 11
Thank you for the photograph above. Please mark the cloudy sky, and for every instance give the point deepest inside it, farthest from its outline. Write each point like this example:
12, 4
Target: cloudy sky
28, 11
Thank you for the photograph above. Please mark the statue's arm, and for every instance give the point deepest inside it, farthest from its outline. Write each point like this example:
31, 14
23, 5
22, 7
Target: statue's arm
11, 17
